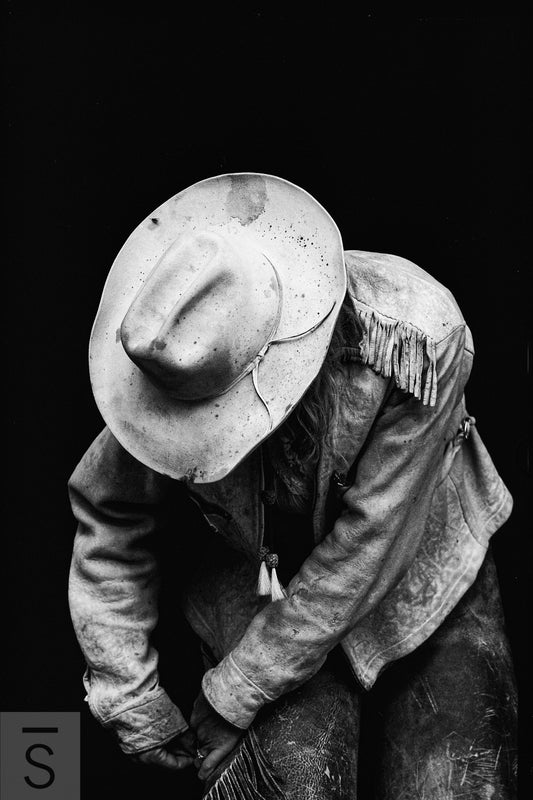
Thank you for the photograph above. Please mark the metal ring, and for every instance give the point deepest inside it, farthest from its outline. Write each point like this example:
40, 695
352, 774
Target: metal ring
465, 427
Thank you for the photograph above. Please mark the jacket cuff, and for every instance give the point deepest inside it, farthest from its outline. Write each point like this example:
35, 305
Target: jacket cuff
232, 694
149, 724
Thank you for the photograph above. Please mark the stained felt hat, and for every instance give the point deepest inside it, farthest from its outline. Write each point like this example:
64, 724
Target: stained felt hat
215, 318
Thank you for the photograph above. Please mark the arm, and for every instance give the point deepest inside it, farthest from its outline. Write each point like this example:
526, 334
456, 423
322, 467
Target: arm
370, 547
113, 594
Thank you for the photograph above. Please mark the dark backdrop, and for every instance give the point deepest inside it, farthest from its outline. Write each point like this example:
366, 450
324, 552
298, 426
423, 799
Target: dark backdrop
410, 131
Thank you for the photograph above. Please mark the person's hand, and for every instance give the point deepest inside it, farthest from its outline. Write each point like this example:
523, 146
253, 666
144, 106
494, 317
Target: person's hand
179, 753
215, 736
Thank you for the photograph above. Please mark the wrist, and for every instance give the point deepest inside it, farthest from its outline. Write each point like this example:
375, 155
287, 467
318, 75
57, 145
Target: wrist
234, 696
153, 722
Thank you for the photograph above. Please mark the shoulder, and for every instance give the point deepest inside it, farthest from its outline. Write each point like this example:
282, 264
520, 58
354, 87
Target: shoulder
108, 471
408, 321
398, 289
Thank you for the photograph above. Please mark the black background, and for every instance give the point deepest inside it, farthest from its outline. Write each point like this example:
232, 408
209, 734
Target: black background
411, 131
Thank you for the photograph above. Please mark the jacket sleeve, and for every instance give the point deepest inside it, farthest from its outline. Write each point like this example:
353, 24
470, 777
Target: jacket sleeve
372, 544
113, 594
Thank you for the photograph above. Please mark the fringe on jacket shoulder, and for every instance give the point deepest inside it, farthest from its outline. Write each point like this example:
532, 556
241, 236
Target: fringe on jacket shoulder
399, 350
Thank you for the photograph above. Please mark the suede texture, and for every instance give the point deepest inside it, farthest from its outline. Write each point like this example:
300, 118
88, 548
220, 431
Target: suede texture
399, 538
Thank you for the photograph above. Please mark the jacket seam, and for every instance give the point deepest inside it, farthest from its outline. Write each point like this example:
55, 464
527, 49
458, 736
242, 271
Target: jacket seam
133, 707
459, 325
382, 314
219, 709
94, 709
498, 509
249, 680
159, 742
486, 521
451, 333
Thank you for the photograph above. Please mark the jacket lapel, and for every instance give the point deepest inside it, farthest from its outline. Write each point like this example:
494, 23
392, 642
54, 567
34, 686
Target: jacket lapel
233, 505
361, 393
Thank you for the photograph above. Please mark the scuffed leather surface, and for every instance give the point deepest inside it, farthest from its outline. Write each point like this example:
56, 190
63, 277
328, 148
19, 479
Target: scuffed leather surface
446, 563
372, 544
445, 718
113, 586
439, 725
397, 452
390, 284
310, 737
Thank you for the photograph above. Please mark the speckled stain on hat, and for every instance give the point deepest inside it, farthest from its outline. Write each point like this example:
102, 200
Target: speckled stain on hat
215, 318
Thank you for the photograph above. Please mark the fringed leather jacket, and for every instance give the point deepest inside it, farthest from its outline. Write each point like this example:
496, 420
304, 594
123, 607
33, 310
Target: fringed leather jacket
406, 499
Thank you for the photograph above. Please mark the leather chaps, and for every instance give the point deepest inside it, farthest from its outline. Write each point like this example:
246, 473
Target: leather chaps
439, 724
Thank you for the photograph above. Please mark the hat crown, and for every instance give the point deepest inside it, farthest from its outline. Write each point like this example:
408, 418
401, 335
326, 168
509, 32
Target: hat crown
215, 318
209, 306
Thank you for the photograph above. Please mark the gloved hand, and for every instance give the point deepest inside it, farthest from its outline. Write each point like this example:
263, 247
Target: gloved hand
216, 737
179, 753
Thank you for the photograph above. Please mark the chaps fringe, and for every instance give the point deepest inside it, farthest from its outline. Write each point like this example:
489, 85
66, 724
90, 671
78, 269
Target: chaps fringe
243, 776
399, 350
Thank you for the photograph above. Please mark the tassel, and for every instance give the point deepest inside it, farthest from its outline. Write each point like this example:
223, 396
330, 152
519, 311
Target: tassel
263, 583
399, 350
278, 592
269, 584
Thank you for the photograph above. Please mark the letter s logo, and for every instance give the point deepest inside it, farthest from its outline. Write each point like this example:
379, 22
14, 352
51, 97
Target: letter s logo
38, 764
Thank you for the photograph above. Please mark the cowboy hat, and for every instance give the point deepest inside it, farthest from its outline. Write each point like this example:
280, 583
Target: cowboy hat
215, 318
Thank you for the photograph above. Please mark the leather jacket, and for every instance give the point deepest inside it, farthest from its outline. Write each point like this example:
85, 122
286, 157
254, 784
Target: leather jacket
406, 500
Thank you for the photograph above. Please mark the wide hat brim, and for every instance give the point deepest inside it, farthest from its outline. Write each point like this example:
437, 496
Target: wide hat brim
202, 441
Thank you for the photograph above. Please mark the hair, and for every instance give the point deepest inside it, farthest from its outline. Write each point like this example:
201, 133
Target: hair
308, 424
